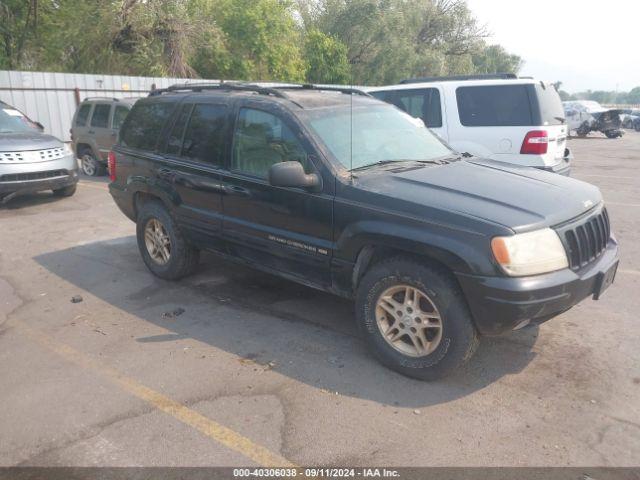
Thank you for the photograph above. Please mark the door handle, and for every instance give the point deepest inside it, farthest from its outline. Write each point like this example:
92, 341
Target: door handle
92, 132
166, 174
236, 190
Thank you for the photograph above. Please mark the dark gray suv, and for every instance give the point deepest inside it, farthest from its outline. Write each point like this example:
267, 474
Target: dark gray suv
31, 160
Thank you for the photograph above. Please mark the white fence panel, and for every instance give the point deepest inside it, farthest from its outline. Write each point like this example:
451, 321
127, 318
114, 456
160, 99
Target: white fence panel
51, 98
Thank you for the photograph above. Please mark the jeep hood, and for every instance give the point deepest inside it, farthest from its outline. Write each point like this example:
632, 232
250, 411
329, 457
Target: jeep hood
21, 141
520, 198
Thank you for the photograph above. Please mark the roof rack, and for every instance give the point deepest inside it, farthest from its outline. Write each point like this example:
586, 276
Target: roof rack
276, 91
453, 78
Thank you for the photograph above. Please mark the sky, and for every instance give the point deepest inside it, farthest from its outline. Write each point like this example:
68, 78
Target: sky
586, 44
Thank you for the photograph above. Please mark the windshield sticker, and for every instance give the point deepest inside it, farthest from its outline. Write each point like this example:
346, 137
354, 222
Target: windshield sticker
11, 112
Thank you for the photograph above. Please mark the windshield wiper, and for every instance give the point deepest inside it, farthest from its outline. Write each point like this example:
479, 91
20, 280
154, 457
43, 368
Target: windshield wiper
379, 162
561, 119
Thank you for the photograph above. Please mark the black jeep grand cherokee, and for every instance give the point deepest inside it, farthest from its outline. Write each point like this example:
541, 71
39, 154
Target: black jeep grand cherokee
345, 193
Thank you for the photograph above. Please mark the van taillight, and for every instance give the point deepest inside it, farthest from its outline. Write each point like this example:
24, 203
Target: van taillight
535, 142
111, 165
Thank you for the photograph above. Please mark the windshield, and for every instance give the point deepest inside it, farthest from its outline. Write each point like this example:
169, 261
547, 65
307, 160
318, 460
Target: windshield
379, 133
551, 109
12, 121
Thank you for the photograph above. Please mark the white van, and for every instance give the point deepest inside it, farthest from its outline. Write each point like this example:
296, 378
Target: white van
503, 117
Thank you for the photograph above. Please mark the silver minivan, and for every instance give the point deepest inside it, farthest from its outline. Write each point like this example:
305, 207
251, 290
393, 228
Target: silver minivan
32, 161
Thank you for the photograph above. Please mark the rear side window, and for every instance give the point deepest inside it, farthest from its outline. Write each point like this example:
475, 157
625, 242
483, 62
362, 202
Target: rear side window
494, 106
83, 114
143, 125
421, 103
119, 114
174, 144
100, 117
204, 139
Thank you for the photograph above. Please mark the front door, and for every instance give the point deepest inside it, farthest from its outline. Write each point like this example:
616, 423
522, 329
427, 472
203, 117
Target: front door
285, 229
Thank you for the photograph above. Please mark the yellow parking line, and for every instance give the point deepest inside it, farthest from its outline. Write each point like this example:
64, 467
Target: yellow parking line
211, 429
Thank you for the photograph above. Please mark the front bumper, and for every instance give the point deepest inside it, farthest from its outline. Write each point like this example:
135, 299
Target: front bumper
499, 304
38, 176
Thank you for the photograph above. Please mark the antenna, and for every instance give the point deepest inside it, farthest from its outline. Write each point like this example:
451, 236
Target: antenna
351, 131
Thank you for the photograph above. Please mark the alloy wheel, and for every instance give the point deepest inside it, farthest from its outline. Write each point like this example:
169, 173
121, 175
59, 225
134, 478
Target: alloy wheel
157, 241
409, 320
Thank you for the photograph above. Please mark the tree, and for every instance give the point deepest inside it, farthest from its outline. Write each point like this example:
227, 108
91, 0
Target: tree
495, 59
259, 41
633, 97
18, 26
326, 59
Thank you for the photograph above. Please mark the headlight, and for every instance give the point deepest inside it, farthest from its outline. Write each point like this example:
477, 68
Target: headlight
530, 253
67, 149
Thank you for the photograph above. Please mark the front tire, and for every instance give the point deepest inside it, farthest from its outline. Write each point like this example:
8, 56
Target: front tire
415, 319
164, 249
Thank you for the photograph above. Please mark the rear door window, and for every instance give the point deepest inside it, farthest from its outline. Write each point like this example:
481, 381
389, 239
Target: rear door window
83, 114
204, 137
100, 117
119, 114
174, 143
494, 106
421, 103
143, 126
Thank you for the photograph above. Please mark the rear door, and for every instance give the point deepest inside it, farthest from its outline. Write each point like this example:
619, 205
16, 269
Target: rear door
99, 129
423, 103
194, 155
285, 229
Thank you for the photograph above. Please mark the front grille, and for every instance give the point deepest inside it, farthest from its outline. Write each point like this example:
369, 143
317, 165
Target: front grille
26, 177
31, 156
585, 242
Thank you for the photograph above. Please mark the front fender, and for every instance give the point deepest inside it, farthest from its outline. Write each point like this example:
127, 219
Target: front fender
462, 251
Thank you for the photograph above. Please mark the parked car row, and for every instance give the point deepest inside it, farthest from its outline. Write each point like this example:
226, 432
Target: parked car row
339, 191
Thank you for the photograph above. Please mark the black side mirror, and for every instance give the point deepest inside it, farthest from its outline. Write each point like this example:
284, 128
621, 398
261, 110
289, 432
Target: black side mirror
291, 174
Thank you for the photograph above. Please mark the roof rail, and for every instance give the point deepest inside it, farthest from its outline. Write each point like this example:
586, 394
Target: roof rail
199, 87
453, 78
101, 98
328, 88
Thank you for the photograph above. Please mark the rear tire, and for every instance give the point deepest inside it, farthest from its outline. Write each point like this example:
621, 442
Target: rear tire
440, 301
164, 249
89, 165
66, 191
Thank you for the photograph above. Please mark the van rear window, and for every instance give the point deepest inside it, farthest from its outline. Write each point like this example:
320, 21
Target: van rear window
495, 106
551, 109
